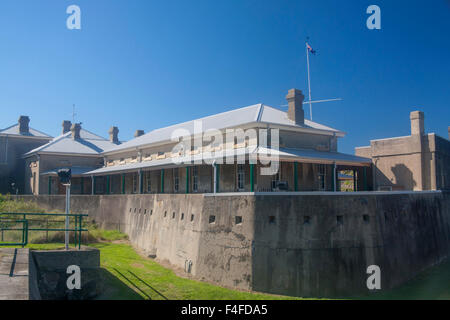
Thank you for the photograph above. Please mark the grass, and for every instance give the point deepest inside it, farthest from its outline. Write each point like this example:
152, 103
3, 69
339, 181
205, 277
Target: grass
129, 276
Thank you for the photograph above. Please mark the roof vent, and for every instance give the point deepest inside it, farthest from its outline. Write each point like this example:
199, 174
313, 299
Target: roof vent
23, 124
138, 133
76, 128
66, 126
114, 135
296, 113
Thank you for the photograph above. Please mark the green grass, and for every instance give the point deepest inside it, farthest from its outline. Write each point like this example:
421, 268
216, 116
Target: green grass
129, 276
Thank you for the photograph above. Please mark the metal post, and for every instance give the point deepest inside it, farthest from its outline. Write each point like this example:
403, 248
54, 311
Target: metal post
123, 183
252, 182
334, 177
67, 216
162, 180
214, 177
187, 179
295, 176
92, 184
354, 181
309, 83
141, 182
49, 184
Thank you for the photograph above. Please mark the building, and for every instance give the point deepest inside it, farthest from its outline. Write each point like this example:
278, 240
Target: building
75, 148
14, 142
420, 161
306, 153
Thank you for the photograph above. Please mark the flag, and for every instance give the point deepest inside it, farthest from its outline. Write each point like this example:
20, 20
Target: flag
310, 49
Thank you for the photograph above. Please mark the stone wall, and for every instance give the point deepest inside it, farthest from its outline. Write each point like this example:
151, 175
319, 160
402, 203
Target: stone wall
301, 244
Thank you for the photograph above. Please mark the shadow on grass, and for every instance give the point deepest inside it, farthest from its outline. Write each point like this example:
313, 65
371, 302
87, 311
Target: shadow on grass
114, 288
149, 286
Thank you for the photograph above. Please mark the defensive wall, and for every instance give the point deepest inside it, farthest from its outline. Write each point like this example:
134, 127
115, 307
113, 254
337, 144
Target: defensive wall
301, 244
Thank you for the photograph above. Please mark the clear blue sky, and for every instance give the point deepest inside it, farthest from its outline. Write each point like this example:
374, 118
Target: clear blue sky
145, 64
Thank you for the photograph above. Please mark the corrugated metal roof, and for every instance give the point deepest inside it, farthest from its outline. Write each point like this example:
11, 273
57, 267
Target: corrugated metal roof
312, 155
88, 144
300, 155
258, 113
14, 130
76, 171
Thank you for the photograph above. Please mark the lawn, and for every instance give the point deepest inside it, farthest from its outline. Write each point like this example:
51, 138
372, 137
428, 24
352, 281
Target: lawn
128, 275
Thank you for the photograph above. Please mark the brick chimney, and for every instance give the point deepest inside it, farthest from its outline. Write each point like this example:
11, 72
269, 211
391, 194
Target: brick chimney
66, 126
24, 121
114, 135
138, 133
75, 128
417, 123
295, 102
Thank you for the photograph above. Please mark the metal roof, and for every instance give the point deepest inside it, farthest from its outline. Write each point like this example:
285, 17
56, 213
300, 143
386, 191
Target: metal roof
299, 155
76, 171
258, 113
88, 144
14, 131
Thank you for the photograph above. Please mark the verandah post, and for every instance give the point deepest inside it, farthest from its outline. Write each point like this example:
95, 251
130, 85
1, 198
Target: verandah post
295, 176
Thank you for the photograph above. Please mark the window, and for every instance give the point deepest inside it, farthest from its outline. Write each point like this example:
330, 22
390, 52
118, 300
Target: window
182, 216
322, 177
240, 177
135, 180
176, 180
195, 179
173, 215
340, 220
238, 219
271, 219
148, 181
366, 218
192, 217
212, 219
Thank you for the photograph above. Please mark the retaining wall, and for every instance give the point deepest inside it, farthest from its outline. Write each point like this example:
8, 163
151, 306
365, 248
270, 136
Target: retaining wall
302, 244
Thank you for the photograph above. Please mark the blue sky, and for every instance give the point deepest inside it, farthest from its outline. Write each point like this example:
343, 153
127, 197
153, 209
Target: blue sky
145, 64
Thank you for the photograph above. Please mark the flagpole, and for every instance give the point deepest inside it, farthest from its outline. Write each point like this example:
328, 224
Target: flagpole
309, 81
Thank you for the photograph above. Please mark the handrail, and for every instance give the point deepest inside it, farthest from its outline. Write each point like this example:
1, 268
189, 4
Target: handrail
78, 229
45, 214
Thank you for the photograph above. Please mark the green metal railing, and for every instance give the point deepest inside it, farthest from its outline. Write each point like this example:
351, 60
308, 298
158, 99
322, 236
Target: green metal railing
8, 224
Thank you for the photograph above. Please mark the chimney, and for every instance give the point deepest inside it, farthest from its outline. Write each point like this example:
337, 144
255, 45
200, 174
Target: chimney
75, 128
114, 135
138, 133
417, 123
295, 111
23, 124
66, 126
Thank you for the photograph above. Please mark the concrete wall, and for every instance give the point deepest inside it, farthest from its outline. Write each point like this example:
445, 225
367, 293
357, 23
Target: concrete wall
302, 244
